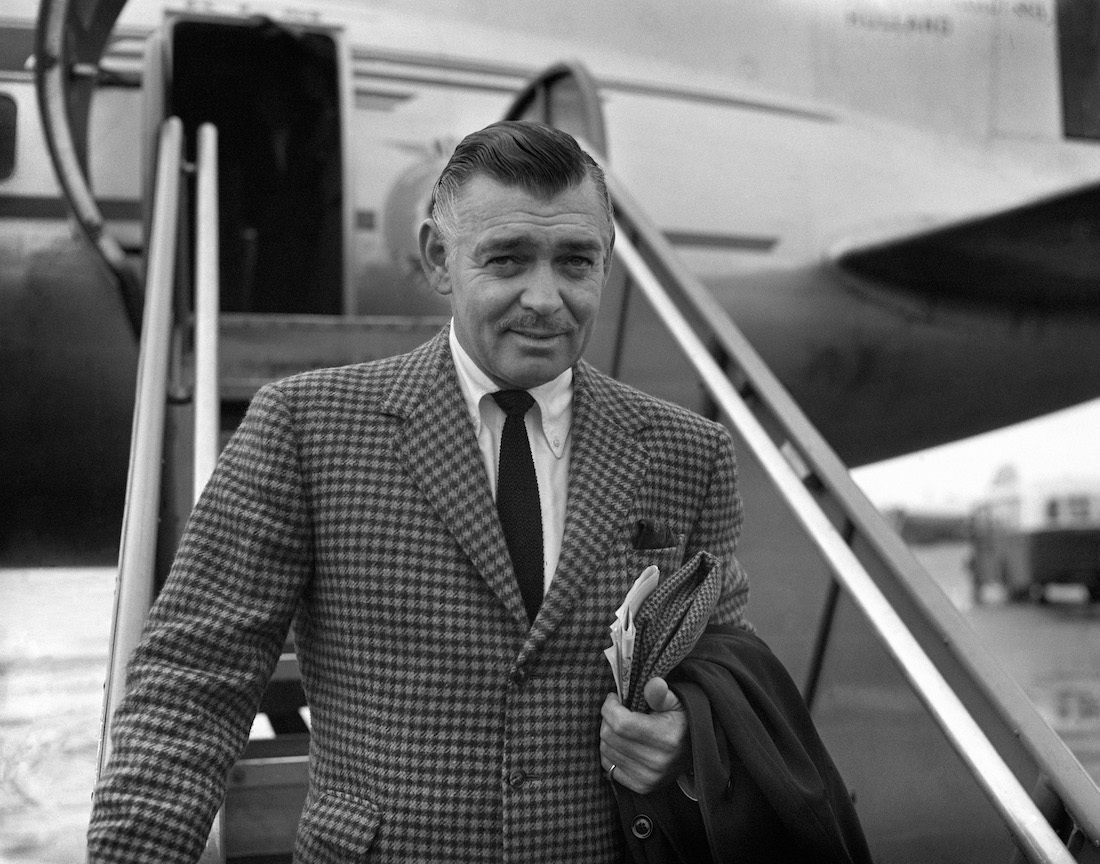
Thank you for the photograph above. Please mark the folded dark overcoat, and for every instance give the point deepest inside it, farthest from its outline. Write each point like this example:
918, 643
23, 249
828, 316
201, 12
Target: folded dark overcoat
768, 790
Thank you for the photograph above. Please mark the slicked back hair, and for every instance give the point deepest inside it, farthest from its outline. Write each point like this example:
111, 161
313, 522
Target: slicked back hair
541, 160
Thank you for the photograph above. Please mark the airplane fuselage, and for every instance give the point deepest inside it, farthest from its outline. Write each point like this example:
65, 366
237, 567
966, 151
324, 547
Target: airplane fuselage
740, 136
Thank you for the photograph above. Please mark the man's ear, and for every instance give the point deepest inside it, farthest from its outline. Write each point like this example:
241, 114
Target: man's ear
433, 257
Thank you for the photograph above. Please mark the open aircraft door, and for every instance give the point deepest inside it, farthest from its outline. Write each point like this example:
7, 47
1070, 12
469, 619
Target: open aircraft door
277, 95
69, 42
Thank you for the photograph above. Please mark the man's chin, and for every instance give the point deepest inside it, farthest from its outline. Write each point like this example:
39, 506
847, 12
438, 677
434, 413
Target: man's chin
528, 372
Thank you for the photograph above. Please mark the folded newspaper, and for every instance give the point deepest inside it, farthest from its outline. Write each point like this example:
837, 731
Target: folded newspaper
659, 622
623, 630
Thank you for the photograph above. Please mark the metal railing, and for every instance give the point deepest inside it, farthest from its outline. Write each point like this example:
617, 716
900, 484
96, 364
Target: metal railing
137, 554
207, 401
1033, 834
1011, 800
206, 395
134, 591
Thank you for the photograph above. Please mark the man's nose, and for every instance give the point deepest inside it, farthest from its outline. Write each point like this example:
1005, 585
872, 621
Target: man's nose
541, 293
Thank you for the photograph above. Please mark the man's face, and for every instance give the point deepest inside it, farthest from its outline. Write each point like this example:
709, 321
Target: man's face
524, 276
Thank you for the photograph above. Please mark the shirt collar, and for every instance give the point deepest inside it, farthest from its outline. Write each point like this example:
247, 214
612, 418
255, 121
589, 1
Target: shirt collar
554, 398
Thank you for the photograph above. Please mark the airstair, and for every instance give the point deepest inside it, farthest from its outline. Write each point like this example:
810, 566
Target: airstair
946, 757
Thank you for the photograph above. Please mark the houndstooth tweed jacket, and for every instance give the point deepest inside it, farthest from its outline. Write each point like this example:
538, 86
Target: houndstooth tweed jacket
353, 503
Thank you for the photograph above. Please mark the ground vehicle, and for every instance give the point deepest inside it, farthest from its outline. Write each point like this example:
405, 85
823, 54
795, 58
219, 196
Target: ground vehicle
1030, 534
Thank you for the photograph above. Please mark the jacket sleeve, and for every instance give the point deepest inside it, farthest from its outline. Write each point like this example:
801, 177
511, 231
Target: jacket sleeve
718, 528
210, 644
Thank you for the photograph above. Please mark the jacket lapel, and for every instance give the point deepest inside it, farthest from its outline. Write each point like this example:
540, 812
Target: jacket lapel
607, 463
440, 452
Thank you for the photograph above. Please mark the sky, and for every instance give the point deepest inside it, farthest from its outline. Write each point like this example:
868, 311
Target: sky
952, 476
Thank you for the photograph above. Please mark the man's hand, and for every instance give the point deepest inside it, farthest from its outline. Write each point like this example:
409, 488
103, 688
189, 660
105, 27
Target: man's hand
647, 750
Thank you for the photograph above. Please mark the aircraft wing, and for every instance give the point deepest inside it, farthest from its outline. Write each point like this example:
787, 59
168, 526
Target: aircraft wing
1040, 258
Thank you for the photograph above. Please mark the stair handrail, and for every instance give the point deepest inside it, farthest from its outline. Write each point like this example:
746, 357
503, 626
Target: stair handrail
206, 394
1058, 767
207, 292
1023, 818
137, 550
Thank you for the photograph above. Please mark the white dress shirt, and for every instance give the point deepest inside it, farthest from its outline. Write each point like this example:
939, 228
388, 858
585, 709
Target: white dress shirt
548, 424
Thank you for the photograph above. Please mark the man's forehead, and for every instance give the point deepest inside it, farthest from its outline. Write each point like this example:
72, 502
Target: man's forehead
502, 213
568, 233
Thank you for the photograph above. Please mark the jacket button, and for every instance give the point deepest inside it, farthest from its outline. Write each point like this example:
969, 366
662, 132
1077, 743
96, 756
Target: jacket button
519, 677
641, 827
516, 777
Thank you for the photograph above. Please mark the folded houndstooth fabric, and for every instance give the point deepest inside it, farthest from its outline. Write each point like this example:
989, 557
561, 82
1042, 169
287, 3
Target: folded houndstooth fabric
670, 622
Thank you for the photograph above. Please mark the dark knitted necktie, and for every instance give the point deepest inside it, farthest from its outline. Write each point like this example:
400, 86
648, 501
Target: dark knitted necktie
518, 498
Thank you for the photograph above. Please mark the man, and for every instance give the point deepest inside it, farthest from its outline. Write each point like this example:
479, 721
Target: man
457, 714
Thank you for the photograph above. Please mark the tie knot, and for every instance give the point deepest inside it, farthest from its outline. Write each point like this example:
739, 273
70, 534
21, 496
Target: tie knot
514, 403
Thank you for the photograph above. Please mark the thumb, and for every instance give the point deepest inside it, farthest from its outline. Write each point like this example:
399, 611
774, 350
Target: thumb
659, 697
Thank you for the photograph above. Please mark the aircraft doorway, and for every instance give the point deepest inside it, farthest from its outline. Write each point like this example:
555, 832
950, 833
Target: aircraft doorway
273, 95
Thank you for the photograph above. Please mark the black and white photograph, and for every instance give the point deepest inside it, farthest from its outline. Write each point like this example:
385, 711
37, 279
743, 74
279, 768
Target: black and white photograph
555, 432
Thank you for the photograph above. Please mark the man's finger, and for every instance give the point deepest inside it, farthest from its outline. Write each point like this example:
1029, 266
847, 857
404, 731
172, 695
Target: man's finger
659, 697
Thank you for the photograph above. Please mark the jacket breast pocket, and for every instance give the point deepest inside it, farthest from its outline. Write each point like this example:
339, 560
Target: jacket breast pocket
668, 558
336, 828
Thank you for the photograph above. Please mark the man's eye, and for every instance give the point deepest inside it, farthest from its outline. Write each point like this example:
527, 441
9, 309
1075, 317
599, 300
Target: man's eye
579, 262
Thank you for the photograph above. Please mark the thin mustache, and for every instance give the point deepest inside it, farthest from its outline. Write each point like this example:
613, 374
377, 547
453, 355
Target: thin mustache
536, 325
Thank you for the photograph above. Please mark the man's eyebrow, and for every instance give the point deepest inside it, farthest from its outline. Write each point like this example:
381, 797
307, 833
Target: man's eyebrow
502, 244
521, 242
586, 245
